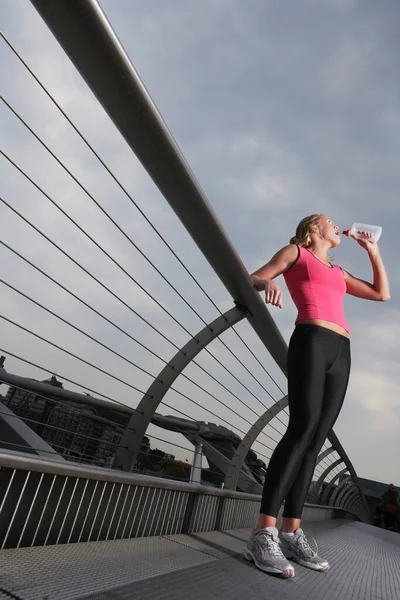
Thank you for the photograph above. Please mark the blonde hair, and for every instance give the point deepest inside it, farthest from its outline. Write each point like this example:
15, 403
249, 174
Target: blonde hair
303, 237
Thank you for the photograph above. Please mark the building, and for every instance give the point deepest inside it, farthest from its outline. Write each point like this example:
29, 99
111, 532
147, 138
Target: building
75, 431
91, 433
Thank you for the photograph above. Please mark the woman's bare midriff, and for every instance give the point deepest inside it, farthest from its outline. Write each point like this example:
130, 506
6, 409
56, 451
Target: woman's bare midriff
327, 324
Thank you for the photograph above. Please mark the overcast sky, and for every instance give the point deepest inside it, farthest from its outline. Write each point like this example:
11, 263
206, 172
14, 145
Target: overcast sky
282, 109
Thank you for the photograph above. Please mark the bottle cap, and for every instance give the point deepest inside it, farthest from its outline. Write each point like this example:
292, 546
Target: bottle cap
346, 232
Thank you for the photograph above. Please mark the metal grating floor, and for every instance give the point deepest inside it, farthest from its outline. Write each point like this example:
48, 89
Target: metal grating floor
365, 566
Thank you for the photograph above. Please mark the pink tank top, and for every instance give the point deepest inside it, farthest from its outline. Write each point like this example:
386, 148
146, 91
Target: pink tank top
316, 289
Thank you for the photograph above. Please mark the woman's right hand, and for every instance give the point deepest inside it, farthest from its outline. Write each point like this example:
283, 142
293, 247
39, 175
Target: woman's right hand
264, 278
273, 293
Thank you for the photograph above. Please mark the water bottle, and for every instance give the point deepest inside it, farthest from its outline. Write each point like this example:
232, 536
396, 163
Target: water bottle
357, 230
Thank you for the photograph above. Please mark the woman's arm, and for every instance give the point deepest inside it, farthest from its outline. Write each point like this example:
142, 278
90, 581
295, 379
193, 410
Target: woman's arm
379, 290
263, 277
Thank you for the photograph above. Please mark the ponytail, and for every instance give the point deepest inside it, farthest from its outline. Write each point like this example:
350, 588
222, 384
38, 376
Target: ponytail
302, 236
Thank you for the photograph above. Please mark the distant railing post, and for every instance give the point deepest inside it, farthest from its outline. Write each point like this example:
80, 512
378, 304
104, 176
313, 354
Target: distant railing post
195, 473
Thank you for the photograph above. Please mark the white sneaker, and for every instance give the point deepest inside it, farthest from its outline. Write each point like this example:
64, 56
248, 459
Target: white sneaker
263, 548
301, 551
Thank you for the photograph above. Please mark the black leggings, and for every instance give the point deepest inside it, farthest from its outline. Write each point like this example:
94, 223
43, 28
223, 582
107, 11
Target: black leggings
318, 373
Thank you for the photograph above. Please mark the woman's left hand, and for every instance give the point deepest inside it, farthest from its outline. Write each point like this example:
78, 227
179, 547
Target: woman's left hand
367, 243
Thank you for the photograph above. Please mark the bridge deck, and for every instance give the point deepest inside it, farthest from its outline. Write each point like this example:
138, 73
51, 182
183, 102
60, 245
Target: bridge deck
365, 566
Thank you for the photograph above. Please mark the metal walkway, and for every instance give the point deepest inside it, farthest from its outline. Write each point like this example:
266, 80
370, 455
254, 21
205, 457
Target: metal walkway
365, 566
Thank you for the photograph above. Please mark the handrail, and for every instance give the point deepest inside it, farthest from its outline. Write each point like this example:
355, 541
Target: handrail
21, 461
28, 462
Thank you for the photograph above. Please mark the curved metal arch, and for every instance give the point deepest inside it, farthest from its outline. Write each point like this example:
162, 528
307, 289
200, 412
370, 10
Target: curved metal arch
322, 478
232, 476
341, 451
355, 508
357, 500
354, 501
129, 446
356, 505
338, 490
344, 494
350, 498
324, 454
328, 490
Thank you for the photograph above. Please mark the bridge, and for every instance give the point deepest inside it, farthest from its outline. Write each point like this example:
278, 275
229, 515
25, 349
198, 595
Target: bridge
88, 508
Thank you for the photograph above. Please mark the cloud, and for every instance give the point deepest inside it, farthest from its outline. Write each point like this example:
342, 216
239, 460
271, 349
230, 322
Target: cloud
379, 396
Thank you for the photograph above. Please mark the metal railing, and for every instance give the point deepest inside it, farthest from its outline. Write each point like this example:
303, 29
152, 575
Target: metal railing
46, 502
68, 422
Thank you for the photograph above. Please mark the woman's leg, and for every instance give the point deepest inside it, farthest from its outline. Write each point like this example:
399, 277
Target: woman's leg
335, 389
307, 366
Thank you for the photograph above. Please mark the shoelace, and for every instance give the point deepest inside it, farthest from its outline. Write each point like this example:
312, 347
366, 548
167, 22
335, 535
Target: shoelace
305, 546
272, 544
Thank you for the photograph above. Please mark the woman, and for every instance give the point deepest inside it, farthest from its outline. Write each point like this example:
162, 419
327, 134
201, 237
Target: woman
318, 365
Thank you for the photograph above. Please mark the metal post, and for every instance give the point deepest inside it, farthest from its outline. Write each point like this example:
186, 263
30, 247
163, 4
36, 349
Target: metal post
195, 473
